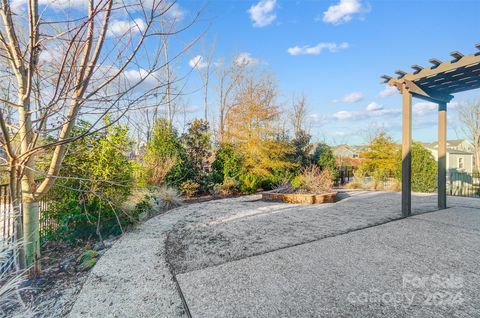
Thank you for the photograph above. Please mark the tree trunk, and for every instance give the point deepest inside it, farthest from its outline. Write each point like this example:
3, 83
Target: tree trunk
221, 130
31, 233
15, 201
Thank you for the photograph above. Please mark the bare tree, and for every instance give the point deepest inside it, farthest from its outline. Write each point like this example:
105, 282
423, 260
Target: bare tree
469, 115
203, 63
301, 136
229, 78
373, 130
101, 59
299, 115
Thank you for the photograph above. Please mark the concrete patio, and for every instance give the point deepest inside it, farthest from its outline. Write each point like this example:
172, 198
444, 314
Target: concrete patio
247, 258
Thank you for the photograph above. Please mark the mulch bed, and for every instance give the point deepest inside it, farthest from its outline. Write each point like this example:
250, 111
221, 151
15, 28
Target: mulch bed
54, 290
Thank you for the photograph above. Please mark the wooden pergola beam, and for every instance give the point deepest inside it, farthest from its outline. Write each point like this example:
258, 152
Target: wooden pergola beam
456, 55
444, 67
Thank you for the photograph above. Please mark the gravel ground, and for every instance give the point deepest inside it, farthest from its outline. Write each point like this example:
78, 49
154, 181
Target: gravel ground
374, 272
135, 278
220, 233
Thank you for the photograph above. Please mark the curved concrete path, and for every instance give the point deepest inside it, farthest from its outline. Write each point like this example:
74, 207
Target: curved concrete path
247, 258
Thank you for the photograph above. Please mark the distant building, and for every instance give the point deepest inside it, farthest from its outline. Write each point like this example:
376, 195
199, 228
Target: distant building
347, 155
345, 151
459, 154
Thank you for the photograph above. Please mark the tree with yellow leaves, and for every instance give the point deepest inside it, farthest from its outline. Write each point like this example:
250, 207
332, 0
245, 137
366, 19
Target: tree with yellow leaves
252, 126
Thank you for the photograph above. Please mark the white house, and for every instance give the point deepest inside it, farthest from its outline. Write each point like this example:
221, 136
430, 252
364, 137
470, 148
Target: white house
459, 154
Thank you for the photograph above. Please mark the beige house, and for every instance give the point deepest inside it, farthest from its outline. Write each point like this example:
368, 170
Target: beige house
345, 151
459, 154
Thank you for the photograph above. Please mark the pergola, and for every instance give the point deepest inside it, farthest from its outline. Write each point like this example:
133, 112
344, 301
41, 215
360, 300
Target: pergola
434, 84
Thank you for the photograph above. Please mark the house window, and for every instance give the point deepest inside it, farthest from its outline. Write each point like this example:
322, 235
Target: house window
460, 163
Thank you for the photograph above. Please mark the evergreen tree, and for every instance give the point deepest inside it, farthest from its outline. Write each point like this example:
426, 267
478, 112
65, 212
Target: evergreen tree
324, 158
424, 169
197, 144
166, 160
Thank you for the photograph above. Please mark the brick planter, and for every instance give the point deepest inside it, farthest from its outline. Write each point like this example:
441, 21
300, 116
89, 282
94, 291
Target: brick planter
299, 198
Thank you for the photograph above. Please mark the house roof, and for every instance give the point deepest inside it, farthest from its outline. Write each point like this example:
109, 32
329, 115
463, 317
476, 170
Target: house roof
340, 146
455, 142
459, 152
352, 148
358, 148
450, 143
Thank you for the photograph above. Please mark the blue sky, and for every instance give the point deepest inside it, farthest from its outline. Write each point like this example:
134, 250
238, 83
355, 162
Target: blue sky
338, 51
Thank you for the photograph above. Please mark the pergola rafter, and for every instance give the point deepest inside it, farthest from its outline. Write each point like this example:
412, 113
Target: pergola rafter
435, 84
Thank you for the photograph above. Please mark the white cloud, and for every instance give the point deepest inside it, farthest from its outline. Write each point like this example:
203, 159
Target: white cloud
318, 119
176, 12
343, 11
134, 76
350, 98
18, 5
342, 133
388, 91
122, 27
51, 54
372, 110
346, 114
246, 58
423, 108
263, 13
317, 49
454, 105
198, 62
374, 107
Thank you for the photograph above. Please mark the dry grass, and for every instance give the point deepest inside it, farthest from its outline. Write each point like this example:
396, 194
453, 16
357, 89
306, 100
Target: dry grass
394, 185
316, 181
355, 184
158, 168
166, 198
284, 187
360, 183
136, 197
158, 199
228, 187
11, 280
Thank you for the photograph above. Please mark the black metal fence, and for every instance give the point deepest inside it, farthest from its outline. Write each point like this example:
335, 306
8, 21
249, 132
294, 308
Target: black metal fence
463, 184
344, 176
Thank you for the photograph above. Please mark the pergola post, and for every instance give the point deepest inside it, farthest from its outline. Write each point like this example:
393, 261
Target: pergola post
442, 155
406, 153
